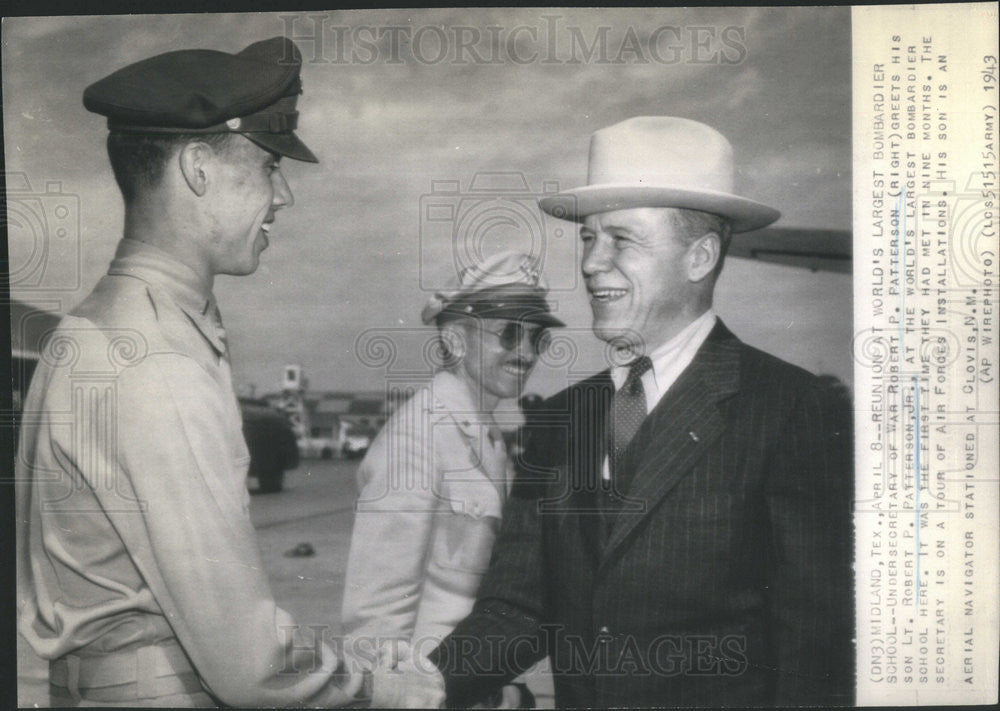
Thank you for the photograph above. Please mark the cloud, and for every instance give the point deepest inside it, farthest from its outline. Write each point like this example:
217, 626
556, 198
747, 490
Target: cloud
347, 256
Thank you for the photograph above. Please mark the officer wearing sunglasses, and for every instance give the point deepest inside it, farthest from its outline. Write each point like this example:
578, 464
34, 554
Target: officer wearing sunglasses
433, 484
513, 333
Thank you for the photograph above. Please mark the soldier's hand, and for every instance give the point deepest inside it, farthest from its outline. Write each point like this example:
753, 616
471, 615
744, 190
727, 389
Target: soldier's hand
404, 681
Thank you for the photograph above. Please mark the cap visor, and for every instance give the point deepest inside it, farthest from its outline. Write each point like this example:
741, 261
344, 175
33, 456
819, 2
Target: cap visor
284, 144
515, 312
544, 319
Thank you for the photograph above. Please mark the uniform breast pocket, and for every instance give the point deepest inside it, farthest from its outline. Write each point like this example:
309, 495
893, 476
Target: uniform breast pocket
468, 527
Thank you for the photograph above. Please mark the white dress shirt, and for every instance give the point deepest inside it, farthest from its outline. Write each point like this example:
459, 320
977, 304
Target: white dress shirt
669, 361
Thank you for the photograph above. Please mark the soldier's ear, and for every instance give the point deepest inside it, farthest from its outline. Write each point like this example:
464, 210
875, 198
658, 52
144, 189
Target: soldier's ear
453, 341
193, 159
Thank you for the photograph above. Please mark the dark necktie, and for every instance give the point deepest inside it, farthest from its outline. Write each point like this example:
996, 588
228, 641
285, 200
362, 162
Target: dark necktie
628, 410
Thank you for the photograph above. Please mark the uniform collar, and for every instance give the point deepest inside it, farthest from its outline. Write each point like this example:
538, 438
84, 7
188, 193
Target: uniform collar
452, 396
453, 400
179, 281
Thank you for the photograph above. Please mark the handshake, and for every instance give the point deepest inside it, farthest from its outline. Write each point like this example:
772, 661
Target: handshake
405, 679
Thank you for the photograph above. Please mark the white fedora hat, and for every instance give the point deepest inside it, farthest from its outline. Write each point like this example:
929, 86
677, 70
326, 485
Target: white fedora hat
660, 161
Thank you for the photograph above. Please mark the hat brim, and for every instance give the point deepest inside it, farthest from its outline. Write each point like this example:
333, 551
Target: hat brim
576, 204
507, 312
284, 144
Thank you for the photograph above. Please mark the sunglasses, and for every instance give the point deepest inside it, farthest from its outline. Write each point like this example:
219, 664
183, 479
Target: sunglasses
514, 332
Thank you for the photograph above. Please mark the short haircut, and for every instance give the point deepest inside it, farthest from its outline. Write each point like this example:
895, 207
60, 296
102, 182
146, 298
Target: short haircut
694, 224
138, 159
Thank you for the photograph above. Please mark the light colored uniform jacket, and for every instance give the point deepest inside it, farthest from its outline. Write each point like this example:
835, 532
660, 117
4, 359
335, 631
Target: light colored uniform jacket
133, 528
432, 487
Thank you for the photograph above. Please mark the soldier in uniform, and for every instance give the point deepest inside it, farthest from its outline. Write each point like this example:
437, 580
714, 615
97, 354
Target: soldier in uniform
433, 485
139, 576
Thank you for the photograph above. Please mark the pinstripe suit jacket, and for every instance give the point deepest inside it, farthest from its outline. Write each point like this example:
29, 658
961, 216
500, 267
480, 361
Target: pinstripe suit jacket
726, 576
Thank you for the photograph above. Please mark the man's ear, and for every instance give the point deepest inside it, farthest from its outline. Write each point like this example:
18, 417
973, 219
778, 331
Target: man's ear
453, 340
703, 255
193, 159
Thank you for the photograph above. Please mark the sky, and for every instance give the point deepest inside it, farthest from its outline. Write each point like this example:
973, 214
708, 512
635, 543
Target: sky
404, 109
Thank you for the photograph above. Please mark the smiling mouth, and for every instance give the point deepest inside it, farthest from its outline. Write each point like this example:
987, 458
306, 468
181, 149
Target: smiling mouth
607, 295
517, 367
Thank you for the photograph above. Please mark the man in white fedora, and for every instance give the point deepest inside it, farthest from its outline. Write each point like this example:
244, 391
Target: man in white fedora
680, 530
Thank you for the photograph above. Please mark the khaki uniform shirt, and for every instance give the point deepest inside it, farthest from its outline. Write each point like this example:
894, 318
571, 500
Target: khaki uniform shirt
132, 507
432, 488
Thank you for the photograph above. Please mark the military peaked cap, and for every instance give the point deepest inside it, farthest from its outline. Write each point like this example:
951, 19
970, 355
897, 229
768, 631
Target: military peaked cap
252, 93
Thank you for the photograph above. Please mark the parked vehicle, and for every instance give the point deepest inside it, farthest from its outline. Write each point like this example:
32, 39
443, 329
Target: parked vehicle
319, 447
357, 440
271, 442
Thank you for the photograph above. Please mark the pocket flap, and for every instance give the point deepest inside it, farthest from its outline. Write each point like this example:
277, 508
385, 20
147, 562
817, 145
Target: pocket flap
475, 497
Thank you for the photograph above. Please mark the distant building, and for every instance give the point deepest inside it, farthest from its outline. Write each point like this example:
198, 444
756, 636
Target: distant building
323, 418
326, 410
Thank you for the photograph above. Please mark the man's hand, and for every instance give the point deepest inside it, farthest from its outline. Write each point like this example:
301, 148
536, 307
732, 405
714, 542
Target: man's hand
404, 681
349, 691
510, 696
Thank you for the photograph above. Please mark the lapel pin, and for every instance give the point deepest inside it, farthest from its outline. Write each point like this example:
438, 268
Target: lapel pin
693, 436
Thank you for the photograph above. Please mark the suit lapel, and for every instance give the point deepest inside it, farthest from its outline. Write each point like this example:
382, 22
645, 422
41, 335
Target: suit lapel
680, 429
572, 437
592, 411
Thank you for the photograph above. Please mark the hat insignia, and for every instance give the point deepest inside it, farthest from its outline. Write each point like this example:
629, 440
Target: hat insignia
234, 123
530, 270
